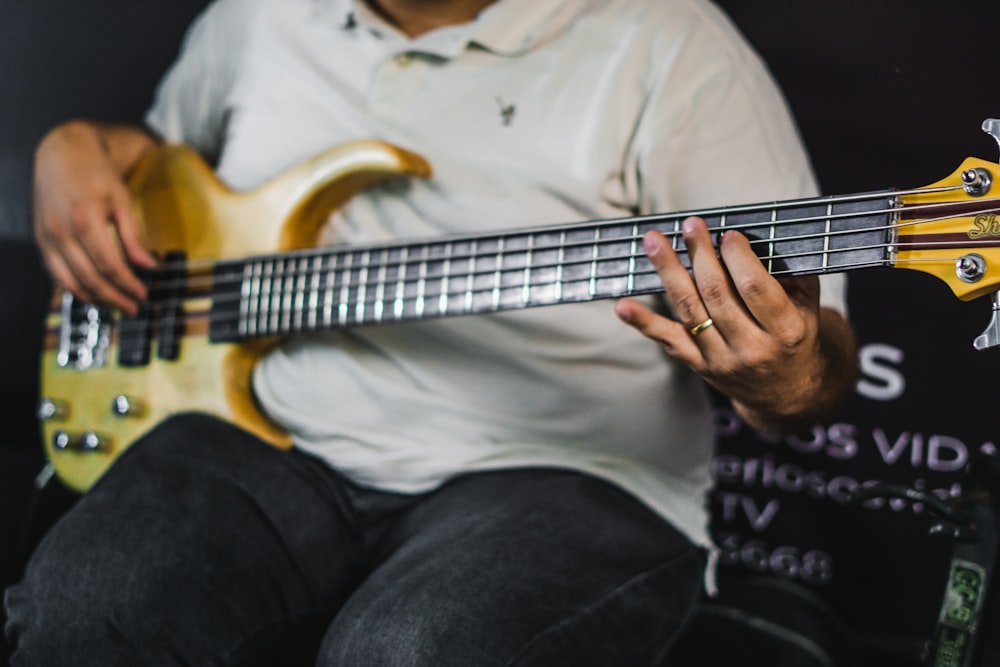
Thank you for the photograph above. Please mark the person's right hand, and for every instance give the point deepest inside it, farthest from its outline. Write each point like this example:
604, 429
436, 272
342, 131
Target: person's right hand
85, 224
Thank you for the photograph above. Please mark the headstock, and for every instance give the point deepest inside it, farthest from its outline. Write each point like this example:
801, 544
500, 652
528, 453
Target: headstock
951, 229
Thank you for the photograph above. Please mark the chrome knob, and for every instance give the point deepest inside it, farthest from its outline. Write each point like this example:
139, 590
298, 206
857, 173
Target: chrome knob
51, 408
91, 441
125, 406
61, 440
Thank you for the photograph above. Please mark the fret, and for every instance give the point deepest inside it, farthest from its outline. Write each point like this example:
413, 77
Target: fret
436, 278
770, 245
359, 310
302, 274
274, 297
244, 298
858, 232
561, 263
343, 304
799, 241
613, 266
826, 236
278, 297
253, 314
329, 283
540, 270
445, 274
470, 281
593, 262
398, 303
577, 255
675, 239
287, 288
314, 278
497, 273
265, 296
421, 282
526, 278
380, 285
633, 251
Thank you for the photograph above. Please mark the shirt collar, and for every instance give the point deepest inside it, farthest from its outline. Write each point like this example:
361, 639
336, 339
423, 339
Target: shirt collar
506, 28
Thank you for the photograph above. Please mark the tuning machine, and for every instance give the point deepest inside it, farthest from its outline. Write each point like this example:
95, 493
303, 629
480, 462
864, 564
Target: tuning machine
991, 336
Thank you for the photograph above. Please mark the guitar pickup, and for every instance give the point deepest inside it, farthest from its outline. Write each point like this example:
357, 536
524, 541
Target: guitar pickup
170, 314
134, 331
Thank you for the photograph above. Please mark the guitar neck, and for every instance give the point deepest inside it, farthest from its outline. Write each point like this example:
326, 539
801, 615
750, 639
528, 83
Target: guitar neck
339, 287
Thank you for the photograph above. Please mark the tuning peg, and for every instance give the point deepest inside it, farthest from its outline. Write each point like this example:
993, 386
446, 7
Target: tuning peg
990, 337
991, 126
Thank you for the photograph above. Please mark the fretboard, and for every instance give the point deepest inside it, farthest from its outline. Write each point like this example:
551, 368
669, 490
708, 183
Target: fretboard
342, 286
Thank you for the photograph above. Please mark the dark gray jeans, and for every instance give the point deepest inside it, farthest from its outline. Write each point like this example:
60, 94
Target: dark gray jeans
203, 546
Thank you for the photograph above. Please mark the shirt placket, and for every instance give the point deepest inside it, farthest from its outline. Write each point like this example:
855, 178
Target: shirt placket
397, 84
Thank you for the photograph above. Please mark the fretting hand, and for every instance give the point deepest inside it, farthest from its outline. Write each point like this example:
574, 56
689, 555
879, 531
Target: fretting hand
762, 341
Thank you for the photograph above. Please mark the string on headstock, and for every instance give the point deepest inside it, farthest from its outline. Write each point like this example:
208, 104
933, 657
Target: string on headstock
951, 229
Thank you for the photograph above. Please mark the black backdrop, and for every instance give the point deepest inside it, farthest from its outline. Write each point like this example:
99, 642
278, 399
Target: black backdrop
886, 94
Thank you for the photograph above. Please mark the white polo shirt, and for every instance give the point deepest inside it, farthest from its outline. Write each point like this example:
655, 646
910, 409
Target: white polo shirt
537, 112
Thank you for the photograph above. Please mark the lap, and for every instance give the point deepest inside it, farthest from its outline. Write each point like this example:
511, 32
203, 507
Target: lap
201, 540
196, 541
525, 567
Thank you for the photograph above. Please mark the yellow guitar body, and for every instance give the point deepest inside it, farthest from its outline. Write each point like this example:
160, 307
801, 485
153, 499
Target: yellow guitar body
183, 206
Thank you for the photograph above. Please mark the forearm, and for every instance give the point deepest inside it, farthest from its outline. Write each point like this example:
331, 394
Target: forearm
819, 394
122, 146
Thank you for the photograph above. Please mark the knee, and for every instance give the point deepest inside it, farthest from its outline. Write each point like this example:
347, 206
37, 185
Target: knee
84, 590
55, 618
400, 639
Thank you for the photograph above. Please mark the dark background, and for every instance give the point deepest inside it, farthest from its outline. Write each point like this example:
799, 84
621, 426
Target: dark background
887, 94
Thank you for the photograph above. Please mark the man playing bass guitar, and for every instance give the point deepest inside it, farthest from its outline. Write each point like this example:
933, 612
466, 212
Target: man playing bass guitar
518, 487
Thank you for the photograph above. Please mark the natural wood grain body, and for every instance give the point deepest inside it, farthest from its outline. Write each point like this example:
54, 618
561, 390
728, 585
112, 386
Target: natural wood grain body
183, 206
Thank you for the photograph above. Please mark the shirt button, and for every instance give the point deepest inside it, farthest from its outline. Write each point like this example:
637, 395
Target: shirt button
403, 59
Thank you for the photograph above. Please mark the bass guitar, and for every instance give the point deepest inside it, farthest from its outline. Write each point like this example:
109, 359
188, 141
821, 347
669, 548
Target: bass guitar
239, 271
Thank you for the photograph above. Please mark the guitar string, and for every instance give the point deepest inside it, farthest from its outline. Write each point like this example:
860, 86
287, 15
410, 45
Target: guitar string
638, 220
199, 279
675, 218
284, 312
195, 266
285, 308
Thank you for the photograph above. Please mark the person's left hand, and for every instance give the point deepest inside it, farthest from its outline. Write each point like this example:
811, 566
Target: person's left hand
754, 337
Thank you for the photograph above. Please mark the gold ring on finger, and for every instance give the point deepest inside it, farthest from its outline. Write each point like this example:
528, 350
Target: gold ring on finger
698, 328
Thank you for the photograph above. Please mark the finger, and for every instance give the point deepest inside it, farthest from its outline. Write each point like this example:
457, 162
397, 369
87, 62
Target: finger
678, 284
107, 263
695, 323
51, 247
671, 335
94, 286
128, 229
766, 299
712, 280
63, 277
